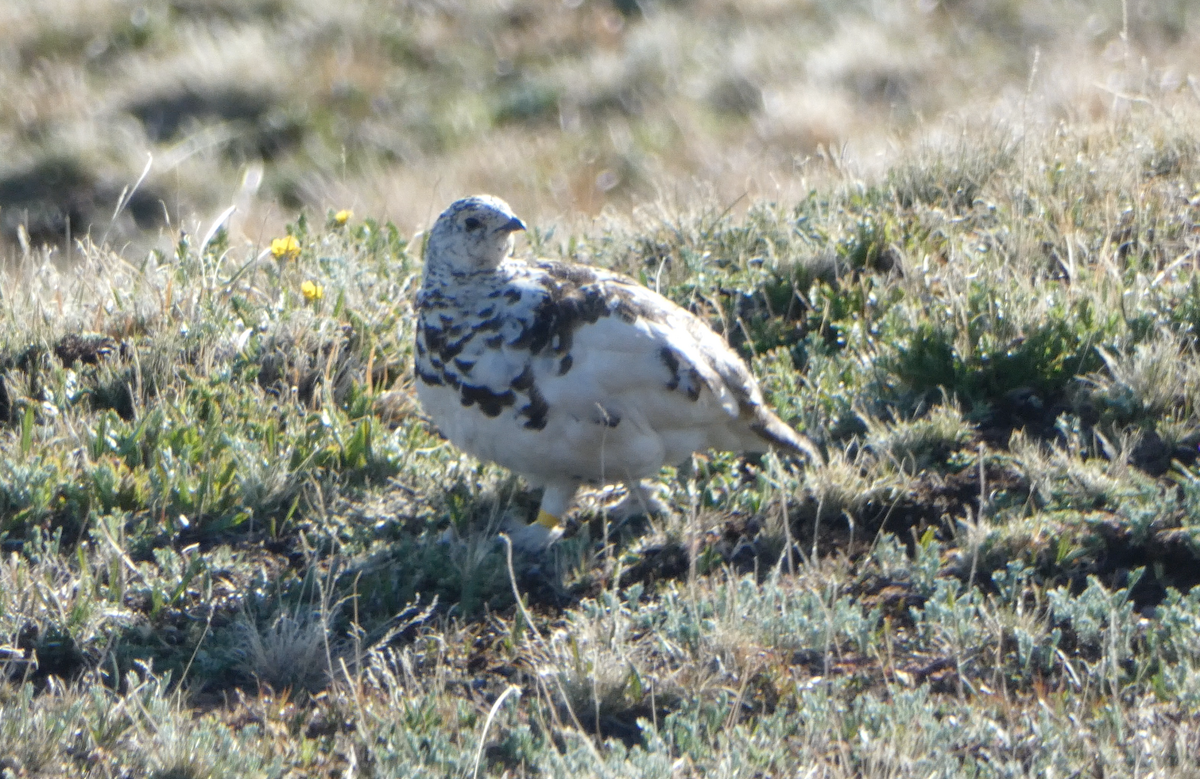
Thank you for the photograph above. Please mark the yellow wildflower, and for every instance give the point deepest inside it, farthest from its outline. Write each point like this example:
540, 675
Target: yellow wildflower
286, 248
343, 216
312, 291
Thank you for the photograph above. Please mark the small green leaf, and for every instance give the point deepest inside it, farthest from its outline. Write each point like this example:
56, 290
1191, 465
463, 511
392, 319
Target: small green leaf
634, 684
27, 432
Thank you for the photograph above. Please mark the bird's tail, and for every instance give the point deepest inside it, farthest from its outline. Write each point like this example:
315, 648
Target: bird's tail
780, 435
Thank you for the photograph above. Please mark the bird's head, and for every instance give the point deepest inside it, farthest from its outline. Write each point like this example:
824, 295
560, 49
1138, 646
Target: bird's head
473, 234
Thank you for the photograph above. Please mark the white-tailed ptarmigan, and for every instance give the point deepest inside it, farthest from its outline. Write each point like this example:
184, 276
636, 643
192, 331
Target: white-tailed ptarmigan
571, 375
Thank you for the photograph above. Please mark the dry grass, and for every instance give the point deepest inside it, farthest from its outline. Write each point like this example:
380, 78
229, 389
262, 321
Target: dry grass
231, 546
564, 108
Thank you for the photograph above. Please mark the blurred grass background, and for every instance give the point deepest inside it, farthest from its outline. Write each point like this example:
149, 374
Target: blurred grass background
564, 107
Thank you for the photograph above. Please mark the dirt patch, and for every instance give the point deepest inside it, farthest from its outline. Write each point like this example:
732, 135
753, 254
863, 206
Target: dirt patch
657, 563
1155, 456
86, 348
6, 405
1023, 409
939, 499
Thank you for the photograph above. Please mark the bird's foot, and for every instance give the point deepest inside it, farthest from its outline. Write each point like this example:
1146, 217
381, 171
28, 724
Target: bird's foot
534, 538
638, 502
537, 536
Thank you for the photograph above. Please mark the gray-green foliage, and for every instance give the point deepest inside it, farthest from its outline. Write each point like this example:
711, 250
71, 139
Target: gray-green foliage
232, 545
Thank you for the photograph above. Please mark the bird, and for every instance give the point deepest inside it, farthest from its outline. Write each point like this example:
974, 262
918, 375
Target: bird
569, 374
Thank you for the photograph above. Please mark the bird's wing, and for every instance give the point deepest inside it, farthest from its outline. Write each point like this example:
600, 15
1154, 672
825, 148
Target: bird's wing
593, 346
630, 342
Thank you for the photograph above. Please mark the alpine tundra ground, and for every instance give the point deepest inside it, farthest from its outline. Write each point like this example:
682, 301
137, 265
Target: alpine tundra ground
958, 243
233, 546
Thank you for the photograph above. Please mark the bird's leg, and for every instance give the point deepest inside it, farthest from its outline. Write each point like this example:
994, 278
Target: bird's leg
546, 529
546, 519
556, 499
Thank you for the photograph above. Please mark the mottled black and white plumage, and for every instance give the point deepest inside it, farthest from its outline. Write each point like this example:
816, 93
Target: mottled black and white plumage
569, 374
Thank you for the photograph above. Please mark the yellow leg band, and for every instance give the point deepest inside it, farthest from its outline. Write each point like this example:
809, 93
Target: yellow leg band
546, 519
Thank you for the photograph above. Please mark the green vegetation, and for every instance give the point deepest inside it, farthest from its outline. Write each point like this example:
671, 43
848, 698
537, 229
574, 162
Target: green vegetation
956, 240
233, 546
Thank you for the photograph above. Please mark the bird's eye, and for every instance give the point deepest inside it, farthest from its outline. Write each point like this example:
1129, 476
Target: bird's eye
472, 223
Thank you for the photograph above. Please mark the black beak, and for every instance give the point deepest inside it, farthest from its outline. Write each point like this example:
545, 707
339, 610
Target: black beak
512, 225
